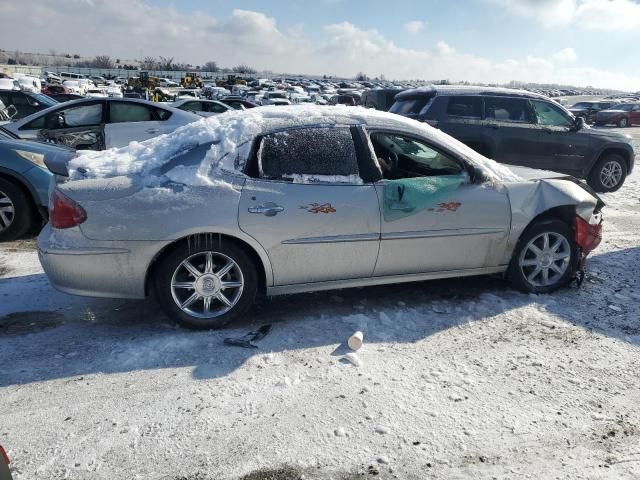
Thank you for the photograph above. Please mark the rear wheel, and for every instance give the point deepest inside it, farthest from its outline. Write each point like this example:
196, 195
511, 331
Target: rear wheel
545, 257
623, 122
608, 174
16, 213
206, 287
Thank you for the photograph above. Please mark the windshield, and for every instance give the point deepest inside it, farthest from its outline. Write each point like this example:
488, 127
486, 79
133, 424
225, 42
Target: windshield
44, 99
409, 105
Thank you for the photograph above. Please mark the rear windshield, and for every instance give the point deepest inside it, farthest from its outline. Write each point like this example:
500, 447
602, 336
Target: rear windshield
409, 105
44, 99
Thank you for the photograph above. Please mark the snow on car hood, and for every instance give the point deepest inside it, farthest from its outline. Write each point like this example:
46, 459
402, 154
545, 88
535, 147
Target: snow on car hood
231, 132
527, 173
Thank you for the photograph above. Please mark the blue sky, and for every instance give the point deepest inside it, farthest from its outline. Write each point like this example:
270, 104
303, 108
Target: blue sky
564, 41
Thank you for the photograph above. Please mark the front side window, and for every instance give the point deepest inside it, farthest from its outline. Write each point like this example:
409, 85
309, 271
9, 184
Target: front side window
405, 157
465, 106
129, 112
215, 107
550, 115
506, 109
76, 116
311, 152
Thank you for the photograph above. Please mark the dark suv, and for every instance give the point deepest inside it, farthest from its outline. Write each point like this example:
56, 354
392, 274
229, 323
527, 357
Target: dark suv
588, 110
523, 128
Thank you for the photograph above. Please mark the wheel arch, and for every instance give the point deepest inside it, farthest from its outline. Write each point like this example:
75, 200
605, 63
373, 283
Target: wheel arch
258, 258
623, 152
27, 189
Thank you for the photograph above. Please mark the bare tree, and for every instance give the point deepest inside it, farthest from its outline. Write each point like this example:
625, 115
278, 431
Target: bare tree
149, 63
210, 67
102, 61
242, 68
361, 77
166, 63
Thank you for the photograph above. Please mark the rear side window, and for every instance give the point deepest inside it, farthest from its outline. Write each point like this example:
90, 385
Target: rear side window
506, 109
465, 106
129, 112
407, 106
215, 107
307, 151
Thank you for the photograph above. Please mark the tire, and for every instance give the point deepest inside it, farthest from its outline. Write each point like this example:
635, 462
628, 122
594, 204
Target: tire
172, 278
16, 212
623, 122
522, 269
608, 174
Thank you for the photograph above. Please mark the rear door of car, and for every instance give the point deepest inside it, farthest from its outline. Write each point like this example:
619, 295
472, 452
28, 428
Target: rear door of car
461, 117
510, 131
133, 121
307, 205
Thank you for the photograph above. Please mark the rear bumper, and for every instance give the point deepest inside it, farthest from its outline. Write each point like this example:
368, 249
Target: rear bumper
104, 269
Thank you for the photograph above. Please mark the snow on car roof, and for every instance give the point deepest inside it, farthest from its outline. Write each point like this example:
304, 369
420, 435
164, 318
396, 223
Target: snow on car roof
233, 130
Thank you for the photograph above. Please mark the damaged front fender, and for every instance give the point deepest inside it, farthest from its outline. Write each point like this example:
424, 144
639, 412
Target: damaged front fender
530, 200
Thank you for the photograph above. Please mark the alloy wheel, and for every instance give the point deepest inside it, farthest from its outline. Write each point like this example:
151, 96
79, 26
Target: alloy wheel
207, 284
611, 174
545, 259
7, 211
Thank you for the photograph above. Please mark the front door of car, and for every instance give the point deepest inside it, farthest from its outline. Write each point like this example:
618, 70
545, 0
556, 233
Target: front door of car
434, 218
634, 117
79, 126
561, 147
307, 206
510, 133
132, 121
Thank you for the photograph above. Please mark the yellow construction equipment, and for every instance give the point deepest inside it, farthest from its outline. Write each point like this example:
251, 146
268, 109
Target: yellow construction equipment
191, 80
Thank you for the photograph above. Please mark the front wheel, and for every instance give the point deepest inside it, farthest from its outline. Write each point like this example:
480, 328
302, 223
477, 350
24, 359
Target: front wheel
608, 174
545, 257
208, 286
16, 213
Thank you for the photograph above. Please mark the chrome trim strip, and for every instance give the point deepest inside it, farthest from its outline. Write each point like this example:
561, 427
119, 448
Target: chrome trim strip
440, 233
369, 281
83, 251
356, 237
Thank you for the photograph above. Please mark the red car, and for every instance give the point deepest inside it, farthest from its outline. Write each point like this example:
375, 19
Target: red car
622, 115
55, 90
5, 473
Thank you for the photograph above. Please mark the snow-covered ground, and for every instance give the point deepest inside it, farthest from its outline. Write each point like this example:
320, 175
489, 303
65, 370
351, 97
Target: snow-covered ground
456, 379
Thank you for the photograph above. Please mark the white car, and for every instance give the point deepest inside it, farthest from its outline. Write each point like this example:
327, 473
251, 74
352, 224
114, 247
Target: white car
9, 84
97, 93
114, 91
100, 123
275, 97
204, 108
166, 82
28, 83
74, 87
187, 93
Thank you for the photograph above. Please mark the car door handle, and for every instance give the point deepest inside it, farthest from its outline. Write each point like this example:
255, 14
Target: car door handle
152, 130
267, 209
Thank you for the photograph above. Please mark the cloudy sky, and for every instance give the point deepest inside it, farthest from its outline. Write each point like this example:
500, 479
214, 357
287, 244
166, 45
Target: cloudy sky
579, 42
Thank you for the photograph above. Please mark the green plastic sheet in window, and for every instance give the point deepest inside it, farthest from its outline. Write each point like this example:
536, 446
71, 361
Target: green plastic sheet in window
406, 197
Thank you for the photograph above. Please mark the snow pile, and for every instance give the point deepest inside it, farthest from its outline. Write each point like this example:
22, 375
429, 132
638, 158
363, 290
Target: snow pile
230, 136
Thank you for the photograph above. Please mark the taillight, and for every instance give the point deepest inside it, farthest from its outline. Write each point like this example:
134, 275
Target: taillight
4, 455
65, 212
588, 236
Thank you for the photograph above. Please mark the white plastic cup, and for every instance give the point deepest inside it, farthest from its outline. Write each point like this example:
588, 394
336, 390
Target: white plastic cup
355, 340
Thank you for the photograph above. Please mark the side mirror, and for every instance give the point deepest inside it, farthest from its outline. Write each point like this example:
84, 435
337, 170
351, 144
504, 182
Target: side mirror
579, 123
61, 120
477, 174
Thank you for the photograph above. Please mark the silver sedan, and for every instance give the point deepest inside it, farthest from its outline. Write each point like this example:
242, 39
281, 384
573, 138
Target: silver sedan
294, 199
